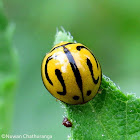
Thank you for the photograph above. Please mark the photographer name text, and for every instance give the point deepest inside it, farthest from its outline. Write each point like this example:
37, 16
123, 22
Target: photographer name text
26, 136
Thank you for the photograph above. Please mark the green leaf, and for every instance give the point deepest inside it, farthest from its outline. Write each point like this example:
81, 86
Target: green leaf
111, 115
8, 72
63, 36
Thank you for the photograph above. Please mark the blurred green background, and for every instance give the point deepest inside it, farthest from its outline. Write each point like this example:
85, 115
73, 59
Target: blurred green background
111, 29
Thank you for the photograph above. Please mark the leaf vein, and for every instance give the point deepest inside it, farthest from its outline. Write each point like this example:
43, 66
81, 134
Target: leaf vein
100, 121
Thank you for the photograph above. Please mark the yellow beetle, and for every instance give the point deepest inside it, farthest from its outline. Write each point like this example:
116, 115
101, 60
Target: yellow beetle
71, 73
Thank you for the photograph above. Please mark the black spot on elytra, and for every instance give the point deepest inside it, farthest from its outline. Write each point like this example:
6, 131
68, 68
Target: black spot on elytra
76, 97
88, 92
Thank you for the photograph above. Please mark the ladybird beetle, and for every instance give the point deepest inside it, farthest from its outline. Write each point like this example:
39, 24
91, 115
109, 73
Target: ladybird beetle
71, 73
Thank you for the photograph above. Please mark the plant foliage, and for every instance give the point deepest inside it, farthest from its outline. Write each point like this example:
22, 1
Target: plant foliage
111, 115
8, 71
